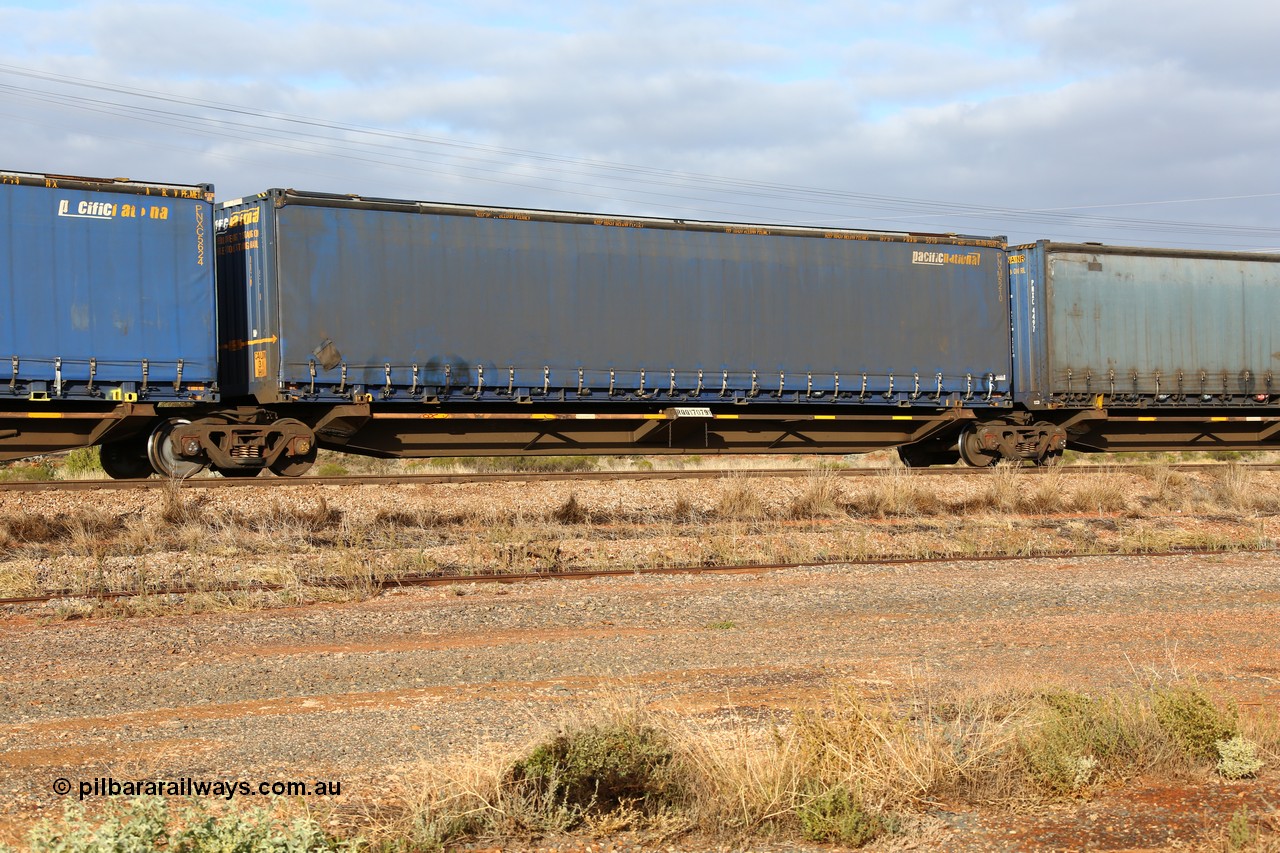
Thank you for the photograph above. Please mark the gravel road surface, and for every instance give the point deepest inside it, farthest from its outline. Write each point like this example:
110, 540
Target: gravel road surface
349, 692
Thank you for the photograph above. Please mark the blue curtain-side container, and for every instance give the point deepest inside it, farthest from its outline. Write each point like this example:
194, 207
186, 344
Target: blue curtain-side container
108, 289
401, 300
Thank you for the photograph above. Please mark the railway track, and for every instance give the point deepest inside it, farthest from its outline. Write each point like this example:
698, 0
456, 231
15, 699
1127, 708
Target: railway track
213, 482
427, 580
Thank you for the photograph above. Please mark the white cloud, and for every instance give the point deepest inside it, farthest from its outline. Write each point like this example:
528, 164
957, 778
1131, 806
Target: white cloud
997, 104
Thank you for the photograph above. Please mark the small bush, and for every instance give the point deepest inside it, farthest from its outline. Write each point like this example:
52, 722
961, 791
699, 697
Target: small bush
1170, 485
41, 471
1192, 721
1235, 488
1239, 833
1237, 758
1079, 737
600, 768
82, 462
836, 815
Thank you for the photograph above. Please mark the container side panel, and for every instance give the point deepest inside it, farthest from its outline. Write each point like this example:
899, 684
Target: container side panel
246, 297
103, 281
1183, 325
387, 290
1029, 326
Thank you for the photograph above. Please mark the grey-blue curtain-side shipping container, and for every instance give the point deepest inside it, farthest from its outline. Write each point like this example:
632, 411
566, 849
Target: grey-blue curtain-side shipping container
109, 289
396, 298
1118, 323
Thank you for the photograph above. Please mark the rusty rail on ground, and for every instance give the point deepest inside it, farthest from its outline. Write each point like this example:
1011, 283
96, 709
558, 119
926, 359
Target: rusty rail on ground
215, 482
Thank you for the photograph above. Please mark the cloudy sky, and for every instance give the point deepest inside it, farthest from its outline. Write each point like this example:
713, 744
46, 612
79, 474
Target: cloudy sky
1149, 122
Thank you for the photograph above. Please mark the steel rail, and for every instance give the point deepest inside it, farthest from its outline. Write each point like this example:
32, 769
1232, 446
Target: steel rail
559, 476
417, 580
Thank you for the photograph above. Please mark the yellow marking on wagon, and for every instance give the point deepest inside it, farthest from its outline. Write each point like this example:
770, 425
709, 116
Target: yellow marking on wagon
238, 345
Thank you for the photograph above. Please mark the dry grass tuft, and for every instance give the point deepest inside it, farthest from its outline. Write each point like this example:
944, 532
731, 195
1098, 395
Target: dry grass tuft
412, 518
740, 501
684, 512
571, 512
898, 492
1237, 488
1004, 487
179, 507
821, 498
72, 530
1044, 494
1170, 486
1101, 493
289, 519
32, 528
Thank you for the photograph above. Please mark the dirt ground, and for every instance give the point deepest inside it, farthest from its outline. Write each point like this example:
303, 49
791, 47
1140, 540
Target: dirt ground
354, 692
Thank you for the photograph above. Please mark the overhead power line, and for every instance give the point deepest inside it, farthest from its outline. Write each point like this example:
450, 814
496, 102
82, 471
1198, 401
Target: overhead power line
667, 189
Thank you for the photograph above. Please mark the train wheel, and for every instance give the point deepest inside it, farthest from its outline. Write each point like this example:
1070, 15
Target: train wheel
164, 456
972, 452
125, 460
294, 466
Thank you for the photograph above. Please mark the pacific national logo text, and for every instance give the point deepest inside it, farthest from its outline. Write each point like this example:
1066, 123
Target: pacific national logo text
111, 210
88, 209
942, 259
